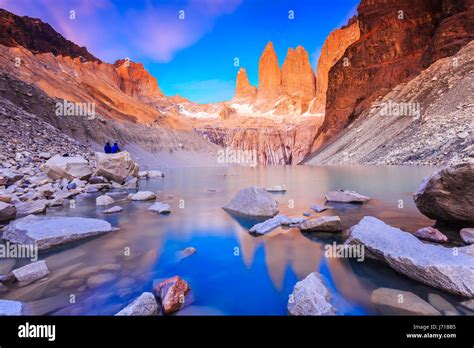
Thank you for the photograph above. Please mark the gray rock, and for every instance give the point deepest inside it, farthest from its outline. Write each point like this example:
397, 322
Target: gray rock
10, 176
97, 180
186, 252
116, 166
104, 200
467, 235
8, 307
143, 196
270, 224
445, 195
158, 207
398, 302
431, 234
27, 208
44, 155
310, 297
155, 174
7, 212
253, 201
318, 208
143, 305
346, 196
31, 272
276, 188
59, 167
91, 189
322, 224
49, 232
430, 264
442, 305
113, 210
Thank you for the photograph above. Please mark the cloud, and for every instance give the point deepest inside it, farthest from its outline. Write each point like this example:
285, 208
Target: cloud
143, 30
207, 91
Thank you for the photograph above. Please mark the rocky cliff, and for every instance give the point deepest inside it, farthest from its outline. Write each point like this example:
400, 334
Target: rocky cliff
398, 39
244, 91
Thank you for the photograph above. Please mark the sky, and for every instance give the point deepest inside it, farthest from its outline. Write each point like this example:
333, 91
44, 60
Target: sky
192, 46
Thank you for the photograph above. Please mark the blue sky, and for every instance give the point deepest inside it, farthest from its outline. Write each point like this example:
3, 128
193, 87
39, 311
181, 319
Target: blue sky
194, 56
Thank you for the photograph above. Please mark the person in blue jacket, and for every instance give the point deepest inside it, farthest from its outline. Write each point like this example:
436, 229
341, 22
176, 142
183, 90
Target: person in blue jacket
115, 148
107, 148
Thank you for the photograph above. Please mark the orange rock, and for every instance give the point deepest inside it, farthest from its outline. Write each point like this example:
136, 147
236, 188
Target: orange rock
296, 75
269, 74
243, 88
173, 294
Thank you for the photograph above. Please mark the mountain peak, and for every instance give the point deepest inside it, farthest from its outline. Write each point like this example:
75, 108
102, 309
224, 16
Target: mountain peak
243, 88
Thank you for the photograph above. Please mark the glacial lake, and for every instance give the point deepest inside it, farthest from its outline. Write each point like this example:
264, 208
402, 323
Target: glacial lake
232, 272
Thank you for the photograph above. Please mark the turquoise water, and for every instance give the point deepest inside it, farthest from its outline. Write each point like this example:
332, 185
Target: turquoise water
233, 272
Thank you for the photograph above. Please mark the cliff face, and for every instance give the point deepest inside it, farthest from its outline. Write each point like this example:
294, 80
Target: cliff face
398, 39
243, 89
269, 74
333, 49
38, 37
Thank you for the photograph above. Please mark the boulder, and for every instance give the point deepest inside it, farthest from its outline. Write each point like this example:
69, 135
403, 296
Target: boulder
27, 208
310, 297
253, 201
9, 177
113, 210
143, 196
31, 272
431, 234
7, 212
270, 224
116, 166
173, 294
49, 232
467, 235
104, 200
322, 224
448, 195
59, 167
318, 208
143, 305
346, 196
430, 264
158, 207
8, 307
398, 302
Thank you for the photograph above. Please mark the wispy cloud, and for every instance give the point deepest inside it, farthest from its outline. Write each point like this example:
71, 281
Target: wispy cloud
208, 91
144, 31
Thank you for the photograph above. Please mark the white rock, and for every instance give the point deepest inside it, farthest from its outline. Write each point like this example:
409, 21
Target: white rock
253, 201
7, 212
276, 188
346, 196
143, 196
322, 224
59, 167
31, 272
270, 224
116, 166
113, 210
104, 200
158, 207
143, 305
155, 174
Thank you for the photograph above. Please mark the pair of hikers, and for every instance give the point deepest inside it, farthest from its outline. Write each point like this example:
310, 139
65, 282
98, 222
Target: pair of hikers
111, 149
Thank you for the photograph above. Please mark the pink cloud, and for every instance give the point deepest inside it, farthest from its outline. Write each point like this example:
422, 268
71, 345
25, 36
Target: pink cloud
151, 31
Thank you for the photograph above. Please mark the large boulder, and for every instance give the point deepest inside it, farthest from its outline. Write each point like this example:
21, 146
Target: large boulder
49, 232
116, 166
430, 264
7, 212
253, 201
143, 305
448, 195
59, 167
310, 297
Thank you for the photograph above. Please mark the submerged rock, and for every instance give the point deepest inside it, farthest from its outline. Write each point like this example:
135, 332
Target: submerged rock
49, 232
447, 194
467, 235
346, 196
8, 307
322, 224
318, 208
398, 302
116, 166
430, 264
276, 188
310, 297
270, 224
59, 167
143, 305
113, 210
253, 201
158, 207
7, 212
104, 200
31, 272
173, 294
431, 234
185, 253
143, 196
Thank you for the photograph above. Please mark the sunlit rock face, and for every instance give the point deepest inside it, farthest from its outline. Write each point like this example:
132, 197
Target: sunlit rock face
244, 91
